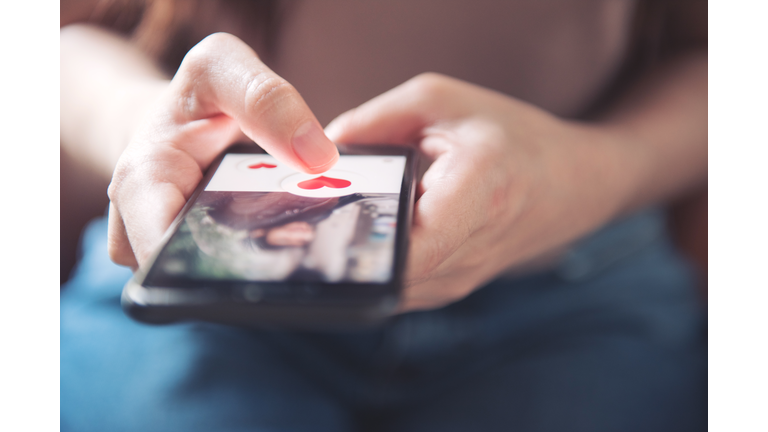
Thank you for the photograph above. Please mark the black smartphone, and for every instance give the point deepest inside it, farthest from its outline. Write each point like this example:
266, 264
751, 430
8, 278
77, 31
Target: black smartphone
259, 244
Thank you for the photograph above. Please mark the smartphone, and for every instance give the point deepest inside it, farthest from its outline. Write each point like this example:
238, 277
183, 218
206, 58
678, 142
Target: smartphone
259, 244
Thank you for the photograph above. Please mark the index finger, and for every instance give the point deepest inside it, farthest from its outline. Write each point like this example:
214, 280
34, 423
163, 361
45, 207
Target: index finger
223, 75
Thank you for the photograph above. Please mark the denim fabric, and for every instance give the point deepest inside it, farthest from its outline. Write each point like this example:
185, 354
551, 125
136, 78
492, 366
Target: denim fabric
611, 339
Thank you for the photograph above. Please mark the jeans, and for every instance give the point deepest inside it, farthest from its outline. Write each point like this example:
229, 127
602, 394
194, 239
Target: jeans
610, 339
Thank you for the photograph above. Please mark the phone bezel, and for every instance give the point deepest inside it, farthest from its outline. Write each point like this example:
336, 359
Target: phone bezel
291, 302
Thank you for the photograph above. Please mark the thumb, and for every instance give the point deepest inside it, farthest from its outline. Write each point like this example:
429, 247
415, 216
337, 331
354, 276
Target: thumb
398, 116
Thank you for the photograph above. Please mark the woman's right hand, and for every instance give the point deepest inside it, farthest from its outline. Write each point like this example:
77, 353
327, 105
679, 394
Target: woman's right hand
220, 92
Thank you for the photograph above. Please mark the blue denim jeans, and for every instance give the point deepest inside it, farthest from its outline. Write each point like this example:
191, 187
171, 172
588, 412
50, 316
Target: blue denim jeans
610, 339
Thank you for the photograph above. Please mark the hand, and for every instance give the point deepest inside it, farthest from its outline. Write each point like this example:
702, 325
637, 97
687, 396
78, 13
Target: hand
221, 91
509, 182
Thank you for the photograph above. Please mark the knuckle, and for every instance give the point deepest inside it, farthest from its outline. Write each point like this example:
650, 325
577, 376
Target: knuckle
429, 78
211, 45
112, 191
126, 173
200, 59
218, 39
119, 252
193, 72
119, 176
264, 91
429, 85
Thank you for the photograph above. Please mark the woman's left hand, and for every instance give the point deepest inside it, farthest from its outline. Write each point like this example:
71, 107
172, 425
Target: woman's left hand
508, 183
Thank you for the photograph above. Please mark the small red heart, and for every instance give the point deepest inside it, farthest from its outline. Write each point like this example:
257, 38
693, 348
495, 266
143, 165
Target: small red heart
330, 182
261, 165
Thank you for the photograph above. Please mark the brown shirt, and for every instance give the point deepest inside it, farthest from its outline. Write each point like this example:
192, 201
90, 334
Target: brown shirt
557, 54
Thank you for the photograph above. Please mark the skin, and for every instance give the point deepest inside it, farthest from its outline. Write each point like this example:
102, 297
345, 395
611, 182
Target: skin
509, 183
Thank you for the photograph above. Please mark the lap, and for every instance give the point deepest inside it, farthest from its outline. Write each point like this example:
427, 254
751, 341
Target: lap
622, 347
597, 384
615, 350
119, 375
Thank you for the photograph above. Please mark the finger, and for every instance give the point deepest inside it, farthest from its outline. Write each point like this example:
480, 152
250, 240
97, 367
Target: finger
449, 209
154, 177
222, 75
455, 278
147, 221
438, 292
448, 212
118, 246
399, 116
150, 185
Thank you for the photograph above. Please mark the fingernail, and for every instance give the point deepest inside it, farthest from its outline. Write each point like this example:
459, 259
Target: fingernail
312, 146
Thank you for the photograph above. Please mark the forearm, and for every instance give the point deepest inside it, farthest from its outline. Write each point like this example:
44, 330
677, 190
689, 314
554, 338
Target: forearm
662, 125
106, 86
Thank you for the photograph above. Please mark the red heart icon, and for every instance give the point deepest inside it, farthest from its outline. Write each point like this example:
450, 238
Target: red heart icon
330, 182
261, 165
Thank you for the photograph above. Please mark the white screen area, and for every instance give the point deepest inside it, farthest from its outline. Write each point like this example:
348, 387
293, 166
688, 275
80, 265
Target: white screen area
263, 173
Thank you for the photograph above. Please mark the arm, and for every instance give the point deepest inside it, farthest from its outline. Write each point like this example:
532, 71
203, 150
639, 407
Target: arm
91, 135
665, 118
107, 86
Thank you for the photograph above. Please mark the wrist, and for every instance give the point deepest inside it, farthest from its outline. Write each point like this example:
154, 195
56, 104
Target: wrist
612, 168
633, 166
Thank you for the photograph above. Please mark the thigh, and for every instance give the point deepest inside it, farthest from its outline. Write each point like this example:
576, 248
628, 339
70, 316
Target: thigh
620, 348
598, 382
119, 375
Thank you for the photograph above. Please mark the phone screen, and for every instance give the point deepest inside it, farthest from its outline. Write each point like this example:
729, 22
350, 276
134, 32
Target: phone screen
259, 220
